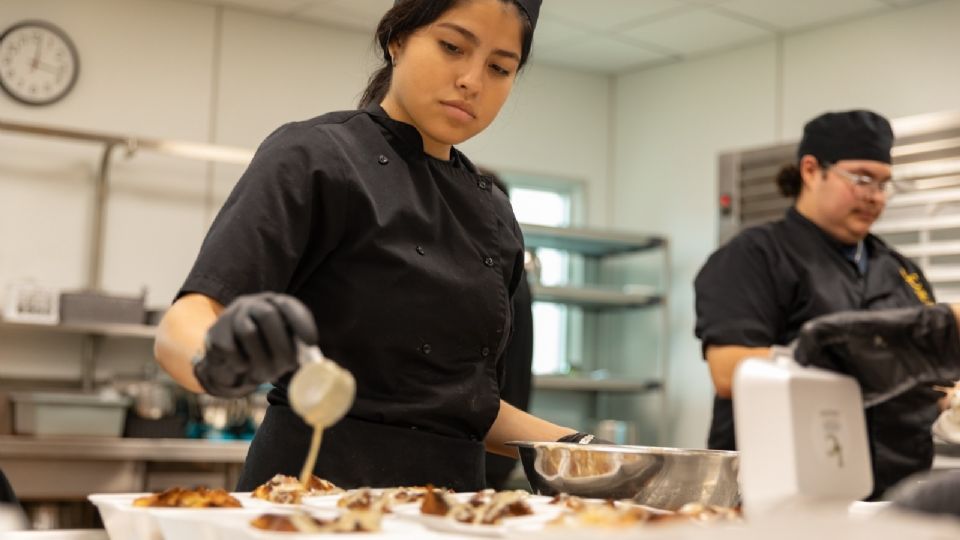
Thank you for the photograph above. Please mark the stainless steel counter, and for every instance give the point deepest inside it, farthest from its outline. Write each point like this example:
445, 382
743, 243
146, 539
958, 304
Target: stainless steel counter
107, 448
70, 468
60, 534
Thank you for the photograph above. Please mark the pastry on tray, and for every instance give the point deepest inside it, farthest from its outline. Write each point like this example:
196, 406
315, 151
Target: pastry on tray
486, 507
350, 521
199, 497
283, 489
383, 499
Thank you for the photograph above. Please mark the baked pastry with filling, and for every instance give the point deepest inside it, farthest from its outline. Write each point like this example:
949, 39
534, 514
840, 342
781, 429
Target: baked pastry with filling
347, 522
283, 489
199, 497
486, 507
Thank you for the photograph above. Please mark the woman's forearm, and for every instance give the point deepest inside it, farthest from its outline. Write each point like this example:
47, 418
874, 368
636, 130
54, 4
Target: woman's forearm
180, 336
513, 424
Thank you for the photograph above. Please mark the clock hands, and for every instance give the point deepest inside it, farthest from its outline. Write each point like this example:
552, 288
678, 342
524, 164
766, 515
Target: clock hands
36, 58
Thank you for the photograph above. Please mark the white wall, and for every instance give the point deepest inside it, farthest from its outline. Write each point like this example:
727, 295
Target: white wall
556, 123
670, 124
135, 78
672, 121
190, 71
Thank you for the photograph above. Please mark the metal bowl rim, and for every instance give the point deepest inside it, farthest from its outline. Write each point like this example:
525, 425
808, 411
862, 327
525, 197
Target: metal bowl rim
626, 449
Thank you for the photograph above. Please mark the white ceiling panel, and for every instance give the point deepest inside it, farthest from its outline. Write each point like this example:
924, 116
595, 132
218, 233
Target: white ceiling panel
347, 20
280, 7
369, 8
357, 14
696, 32
904, 3
614, 35
607, 14
598, 54
704, 2
551, 32
789, 15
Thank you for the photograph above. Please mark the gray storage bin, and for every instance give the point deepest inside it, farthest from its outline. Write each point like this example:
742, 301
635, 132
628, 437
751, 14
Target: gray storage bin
62, 413
94, 306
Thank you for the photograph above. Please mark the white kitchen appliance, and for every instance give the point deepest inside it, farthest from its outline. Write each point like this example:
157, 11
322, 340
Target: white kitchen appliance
801, 434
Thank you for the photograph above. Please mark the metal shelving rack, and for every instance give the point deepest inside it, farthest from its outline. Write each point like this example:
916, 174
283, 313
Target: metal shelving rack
596, 247
95, 329
593, 245
594, 297
94, 333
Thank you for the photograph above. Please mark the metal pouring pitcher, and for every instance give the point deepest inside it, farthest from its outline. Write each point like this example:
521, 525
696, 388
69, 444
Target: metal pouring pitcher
320, 391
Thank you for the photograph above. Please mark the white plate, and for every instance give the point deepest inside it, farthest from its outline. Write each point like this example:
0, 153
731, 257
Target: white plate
182, 524
323, 502
392, 529
249, 501
331, 501
186, 523
511, 525
123, 521
543, 512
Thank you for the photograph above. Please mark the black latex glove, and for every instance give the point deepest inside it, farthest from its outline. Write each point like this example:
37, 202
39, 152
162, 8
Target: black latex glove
582, 438
933, 492
253, 342
889, 352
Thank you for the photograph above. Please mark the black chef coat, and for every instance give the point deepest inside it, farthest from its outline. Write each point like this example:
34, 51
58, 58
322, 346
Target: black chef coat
407, 262
516, 377
762, 286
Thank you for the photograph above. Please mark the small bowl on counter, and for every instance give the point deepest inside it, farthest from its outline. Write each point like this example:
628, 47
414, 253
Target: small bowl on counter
665, 478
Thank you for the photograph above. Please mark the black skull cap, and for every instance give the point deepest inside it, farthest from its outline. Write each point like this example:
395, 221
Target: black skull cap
530, 7
857, 134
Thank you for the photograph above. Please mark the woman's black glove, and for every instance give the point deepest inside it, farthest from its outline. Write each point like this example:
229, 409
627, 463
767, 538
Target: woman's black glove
889, 352
253, 342
582, 438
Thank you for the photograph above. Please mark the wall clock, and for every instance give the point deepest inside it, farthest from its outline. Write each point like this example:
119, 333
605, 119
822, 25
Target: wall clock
38, 63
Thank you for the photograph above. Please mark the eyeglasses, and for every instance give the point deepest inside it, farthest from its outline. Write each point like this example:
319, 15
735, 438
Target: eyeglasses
863, 182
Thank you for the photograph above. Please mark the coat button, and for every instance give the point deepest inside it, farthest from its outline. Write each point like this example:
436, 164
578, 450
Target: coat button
485, 352
426, 348
482, 184
383, 160
488, 261
420, 250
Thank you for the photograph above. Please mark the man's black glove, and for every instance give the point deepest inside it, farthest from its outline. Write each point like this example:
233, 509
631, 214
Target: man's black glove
582, 438
888, 352
253, 342
931, 492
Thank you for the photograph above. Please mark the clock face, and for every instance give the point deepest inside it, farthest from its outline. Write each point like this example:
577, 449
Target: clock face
38, 63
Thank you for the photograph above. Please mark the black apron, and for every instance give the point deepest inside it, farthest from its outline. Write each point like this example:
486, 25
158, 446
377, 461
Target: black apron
356, 453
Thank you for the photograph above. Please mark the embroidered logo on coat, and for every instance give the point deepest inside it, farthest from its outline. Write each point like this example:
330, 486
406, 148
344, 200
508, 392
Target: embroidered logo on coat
913, 280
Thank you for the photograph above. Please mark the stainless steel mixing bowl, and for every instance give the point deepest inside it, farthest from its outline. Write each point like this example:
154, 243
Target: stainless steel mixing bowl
664, 478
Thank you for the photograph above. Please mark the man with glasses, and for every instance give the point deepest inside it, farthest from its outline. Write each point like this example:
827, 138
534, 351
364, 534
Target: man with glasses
760, 289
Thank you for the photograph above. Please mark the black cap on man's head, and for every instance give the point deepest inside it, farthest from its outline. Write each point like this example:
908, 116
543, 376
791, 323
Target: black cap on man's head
835, 136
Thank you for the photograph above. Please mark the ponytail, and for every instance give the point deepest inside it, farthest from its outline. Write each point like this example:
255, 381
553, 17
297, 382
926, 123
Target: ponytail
377, 86
790, 181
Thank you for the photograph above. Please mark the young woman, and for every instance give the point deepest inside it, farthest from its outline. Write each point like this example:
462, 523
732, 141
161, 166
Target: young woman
368, 233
